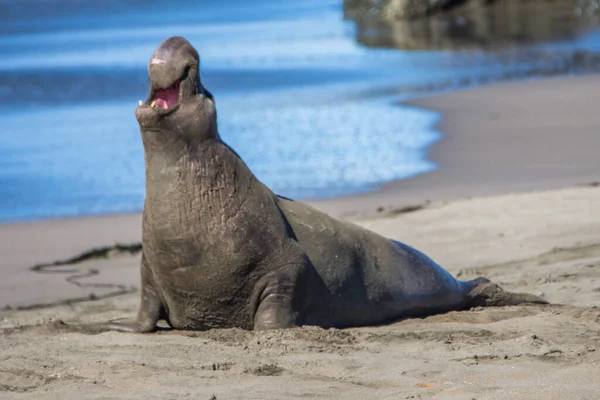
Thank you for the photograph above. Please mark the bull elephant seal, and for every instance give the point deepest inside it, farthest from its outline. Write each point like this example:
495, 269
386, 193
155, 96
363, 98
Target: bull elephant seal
221, 250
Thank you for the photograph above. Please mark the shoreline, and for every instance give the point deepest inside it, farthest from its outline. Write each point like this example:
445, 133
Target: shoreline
491, 146
456, 177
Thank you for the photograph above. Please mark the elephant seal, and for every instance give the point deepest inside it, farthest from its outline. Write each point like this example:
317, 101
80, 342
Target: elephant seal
221, 250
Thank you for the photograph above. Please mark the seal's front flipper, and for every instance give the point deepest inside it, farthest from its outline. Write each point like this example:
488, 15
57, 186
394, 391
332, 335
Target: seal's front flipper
133, 326
278, 293
275, 312
148, 315
488, 294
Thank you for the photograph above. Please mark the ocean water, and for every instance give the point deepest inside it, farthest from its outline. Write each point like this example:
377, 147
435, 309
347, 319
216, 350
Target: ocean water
313, 113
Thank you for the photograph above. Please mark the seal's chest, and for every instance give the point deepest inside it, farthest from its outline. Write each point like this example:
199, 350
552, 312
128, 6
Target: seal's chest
189, 255
209, 291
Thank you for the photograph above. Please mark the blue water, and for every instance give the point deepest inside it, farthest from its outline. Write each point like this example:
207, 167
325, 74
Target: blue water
311, 112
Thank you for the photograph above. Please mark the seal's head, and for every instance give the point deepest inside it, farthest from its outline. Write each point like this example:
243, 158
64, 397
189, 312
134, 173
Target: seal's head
178, 106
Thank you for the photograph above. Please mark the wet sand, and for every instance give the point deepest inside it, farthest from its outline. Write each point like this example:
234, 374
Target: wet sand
502, 138
513, 200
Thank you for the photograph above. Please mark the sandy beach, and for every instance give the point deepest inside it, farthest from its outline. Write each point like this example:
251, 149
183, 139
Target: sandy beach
515, 199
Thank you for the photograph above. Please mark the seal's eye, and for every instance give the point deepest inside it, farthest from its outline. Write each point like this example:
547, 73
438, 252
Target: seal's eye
186, 73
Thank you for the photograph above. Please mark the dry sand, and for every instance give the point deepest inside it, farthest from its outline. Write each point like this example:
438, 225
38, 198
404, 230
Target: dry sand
543, 242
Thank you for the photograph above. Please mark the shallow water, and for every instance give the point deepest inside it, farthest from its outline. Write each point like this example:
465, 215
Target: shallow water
312, 112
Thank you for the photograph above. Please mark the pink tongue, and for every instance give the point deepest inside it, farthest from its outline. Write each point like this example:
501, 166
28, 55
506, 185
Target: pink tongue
166, 98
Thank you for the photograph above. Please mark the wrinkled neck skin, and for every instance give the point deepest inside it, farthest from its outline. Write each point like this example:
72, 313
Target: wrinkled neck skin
191, 175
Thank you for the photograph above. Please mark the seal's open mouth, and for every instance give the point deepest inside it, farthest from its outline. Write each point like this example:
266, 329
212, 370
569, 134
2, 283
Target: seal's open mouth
172, 82
166, 98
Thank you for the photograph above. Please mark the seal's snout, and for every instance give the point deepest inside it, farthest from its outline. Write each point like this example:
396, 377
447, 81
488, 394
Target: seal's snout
173, 70
178, 106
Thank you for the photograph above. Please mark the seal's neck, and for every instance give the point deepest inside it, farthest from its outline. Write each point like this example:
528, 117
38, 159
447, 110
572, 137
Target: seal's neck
205, 182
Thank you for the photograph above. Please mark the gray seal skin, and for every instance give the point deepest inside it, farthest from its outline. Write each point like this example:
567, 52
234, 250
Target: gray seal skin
221, 250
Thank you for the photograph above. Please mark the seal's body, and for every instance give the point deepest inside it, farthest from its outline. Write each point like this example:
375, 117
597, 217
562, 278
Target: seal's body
222, 250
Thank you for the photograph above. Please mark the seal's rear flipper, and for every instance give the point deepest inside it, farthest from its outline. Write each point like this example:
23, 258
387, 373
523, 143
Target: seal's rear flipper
488, 294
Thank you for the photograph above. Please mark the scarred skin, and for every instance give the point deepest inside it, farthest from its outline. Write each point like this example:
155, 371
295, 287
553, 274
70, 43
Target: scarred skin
221, 250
